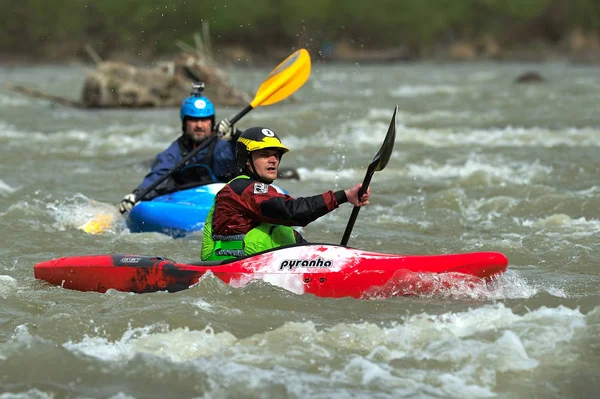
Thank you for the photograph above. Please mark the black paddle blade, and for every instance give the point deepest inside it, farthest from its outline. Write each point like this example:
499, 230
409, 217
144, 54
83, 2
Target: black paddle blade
385, 152
383, 155
379, 162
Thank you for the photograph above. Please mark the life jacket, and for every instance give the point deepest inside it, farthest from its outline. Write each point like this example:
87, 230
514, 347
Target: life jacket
198, 171
260, 238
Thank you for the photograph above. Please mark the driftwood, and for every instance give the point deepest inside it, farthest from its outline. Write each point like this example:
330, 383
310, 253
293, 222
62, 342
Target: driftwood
45, 96
121, 85
115, 84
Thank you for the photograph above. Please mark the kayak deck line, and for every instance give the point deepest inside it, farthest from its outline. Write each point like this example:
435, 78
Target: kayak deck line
325, 270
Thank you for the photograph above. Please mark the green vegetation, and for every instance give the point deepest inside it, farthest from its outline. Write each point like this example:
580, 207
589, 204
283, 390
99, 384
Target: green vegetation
151, 27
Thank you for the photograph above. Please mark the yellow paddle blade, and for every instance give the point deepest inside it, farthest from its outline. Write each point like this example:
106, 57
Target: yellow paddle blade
99, 224
284, 80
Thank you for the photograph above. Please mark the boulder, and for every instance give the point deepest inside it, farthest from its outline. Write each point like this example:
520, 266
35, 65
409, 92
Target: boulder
530, 77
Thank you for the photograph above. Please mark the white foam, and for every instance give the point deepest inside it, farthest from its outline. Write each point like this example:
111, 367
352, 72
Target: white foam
8, 285
501, 137
561, 221
424, 90
77, 210
182, 344
412, 355
6, 189
111, 139
111, 351
489, 169
13, 101
329, 176
29, 394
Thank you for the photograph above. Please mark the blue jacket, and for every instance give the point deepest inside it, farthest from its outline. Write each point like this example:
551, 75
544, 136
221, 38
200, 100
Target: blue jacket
213, 164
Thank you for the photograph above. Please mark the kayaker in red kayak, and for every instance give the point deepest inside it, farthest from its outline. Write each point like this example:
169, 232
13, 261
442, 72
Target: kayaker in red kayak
213, 164
250, 216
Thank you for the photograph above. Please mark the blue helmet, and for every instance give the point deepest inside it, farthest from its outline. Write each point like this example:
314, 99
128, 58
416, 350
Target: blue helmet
196, 107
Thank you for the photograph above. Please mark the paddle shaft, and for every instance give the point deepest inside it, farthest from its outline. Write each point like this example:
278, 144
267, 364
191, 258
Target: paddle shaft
241, 114
356, 209
181, 163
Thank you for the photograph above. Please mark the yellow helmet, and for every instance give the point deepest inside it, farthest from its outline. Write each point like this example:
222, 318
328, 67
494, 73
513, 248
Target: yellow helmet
254, 139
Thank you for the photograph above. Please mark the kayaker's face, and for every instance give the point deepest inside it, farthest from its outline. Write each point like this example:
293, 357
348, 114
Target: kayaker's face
266, 163
198, 129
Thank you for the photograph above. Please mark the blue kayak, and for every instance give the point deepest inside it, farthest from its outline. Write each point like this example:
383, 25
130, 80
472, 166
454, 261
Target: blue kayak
176, 214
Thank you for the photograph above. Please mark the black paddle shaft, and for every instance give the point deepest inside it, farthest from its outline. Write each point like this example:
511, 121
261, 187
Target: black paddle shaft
361, 192
175, 168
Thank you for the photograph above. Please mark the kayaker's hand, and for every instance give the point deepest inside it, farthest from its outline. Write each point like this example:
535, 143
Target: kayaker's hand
352, 195
127, 203
225, 130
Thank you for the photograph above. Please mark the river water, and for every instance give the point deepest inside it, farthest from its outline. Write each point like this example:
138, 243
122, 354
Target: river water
479, 164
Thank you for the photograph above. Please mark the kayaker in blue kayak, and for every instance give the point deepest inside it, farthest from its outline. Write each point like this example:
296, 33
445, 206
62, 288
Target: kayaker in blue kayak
250, 216
213, 164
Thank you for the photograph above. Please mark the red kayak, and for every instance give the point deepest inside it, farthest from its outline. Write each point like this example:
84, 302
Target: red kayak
321, 269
